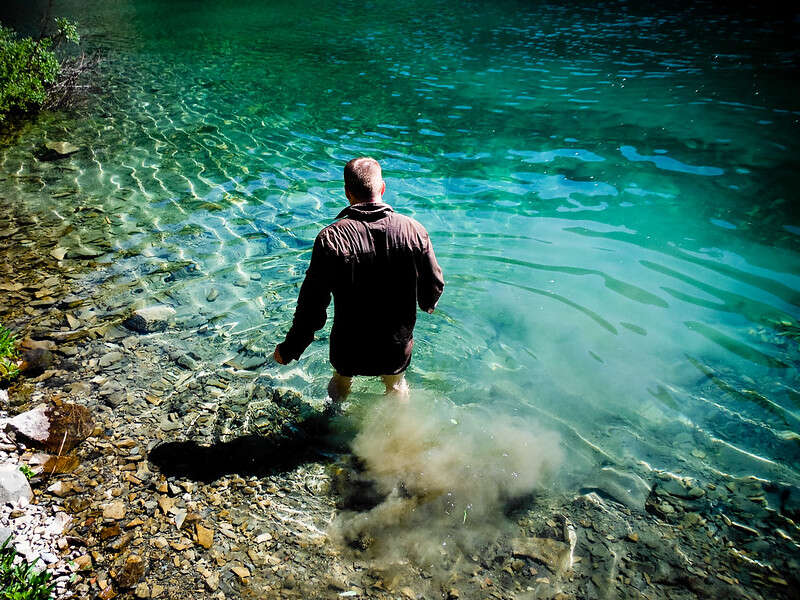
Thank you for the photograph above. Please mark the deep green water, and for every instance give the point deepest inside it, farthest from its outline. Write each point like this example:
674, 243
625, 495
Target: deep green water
610, 188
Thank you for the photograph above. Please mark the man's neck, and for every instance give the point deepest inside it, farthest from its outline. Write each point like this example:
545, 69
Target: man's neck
371, 200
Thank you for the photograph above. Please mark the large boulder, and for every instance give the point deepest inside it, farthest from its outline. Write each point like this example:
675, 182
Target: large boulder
150, 319
57, 428
13, 485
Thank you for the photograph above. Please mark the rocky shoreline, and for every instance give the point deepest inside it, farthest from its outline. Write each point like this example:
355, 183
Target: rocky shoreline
204, 480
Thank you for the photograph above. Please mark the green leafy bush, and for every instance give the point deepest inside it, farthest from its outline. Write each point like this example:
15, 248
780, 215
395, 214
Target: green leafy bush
9, 355
21, 581
29, 67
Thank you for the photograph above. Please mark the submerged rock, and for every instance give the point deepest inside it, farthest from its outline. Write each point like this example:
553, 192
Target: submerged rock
150, 319
267, 412
554, 554
626, 488
56, 150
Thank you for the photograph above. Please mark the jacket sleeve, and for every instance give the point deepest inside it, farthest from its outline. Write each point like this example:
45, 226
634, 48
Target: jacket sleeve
312, 305
430, 282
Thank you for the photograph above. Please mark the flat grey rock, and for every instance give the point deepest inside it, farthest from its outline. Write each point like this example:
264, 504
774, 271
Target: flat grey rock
110, 358
5, 533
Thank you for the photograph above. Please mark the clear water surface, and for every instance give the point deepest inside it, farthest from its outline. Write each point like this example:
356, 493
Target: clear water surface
610, 188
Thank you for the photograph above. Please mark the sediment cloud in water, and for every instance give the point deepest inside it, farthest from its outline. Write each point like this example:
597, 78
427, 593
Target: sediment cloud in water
447, 474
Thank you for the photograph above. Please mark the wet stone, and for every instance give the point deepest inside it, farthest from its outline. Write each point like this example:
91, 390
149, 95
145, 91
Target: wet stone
150, 319
110, 358
56, 150
58, 253
186, 361
554, 554
121, 542
624, 487
62, 489
85, 253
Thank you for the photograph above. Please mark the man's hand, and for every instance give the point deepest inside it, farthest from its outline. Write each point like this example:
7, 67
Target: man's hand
278, 358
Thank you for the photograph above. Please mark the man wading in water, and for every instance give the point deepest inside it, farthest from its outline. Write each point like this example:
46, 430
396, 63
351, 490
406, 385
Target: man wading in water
378, 265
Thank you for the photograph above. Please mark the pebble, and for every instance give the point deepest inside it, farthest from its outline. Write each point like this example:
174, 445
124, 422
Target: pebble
83, 562
186, 361
212, 581
131, 572
58, 253
205, 536
62, 489
114, 510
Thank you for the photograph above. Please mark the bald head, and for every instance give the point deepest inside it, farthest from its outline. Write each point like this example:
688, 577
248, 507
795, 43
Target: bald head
363, 181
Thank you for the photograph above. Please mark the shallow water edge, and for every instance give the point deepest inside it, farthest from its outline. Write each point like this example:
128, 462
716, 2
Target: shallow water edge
225, 488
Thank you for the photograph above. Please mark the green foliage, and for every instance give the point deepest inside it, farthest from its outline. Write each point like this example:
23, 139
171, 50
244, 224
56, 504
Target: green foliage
9, 355
27, 471
28, 67
21, 581
67, 30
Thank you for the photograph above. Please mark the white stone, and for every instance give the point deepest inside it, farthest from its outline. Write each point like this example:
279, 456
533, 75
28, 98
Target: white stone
58, 524
14, 486
33, 424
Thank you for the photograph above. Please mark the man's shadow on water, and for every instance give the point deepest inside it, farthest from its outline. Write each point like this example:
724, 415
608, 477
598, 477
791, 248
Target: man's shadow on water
319, 437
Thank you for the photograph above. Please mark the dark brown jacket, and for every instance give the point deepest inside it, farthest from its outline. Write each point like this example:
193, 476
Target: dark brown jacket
378, 265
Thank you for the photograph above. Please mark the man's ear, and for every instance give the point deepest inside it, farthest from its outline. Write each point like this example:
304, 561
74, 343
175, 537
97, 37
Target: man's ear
383, 187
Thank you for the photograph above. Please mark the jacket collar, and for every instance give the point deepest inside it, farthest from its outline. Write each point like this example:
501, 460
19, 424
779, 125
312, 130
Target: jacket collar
366, 211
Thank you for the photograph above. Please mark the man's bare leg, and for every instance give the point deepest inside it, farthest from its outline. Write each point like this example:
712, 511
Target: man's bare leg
396, 385
339, 387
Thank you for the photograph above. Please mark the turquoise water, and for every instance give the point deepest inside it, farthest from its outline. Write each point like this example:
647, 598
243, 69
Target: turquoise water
610, 189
